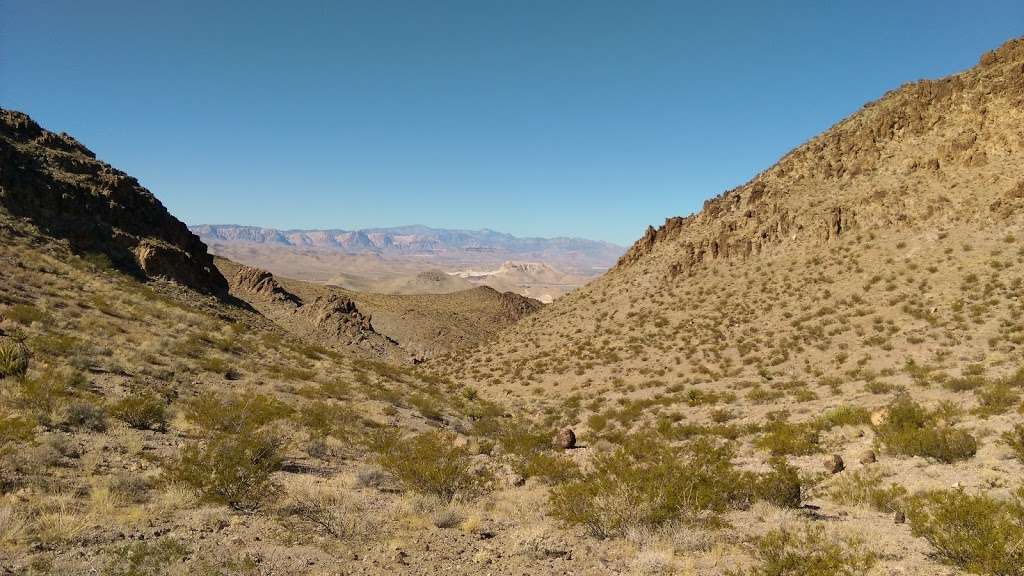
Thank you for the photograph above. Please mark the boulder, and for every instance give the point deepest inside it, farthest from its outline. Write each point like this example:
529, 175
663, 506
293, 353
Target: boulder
565, 439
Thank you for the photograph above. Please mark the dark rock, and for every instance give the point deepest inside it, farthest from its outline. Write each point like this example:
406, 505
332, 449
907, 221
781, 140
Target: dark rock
565, 439
834, 464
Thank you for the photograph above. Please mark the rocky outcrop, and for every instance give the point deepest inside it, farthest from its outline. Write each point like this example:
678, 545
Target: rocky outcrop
261, 285
337, 316
890, 165
514, 306
59, 185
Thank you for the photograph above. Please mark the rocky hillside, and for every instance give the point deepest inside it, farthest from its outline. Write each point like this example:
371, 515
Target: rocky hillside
864, 247
400, 327
58, 184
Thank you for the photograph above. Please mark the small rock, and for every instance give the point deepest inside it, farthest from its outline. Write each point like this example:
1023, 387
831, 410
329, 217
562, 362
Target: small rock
834, 464
565, 439
899, 517
868, 457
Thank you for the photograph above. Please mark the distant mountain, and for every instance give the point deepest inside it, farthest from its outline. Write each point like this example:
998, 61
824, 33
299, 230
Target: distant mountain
580, 256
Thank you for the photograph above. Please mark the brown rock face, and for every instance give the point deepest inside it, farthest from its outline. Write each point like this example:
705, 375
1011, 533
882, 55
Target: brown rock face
59, 185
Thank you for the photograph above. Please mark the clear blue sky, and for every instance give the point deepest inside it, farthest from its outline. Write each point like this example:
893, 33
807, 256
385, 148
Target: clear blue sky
585, 118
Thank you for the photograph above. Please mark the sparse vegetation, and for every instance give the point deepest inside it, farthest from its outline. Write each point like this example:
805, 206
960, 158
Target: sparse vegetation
231, 469
647, 483
430, 463
911, 430
809, 552
141, 410
979, 533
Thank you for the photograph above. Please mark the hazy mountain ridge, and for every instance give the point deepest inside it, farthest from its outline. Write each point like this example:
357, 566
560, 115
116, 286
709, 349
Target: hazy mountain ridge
414, 239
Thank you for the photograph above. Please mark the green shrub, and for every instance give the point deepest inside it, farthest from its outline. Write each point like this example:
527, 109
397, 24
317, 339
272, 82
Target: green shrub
324, 419
232, 412
14, 430
979, 534
646, 482
844, 416
142, 411
146, 558
231, 469
995, 398
530, 450
25, 314
43, 394
430, 463
1015, 440
785, 438
13, 358
863, 487
911, 430
780, 487
86, 416
808, 552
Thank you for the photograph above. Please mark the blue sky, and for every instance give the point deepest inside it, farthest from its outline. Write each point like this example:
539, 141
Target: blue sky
582, 118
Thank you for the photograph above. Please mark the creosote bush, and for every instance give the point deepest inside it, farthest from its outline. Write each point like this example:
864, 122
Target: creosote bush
234, 412
231, 469
980, 534
785, 438
911, 430
531, 452
646, 483
142, 411
13, 358
808, 552
1015, 440
429, 463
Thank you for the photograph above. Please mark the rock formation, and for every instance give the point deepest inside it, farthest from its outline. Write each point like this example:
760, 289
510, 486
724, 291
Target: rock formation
59, 185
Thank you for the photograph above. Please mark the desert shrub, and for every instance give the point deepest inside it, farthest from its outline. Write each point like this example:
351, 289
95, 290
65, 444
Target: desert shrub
142, 411
429, 463
781, 486
845, 415
863, 487
234, 412
13, 358
646, 482
979, 534
530, 451
324, 419
231, 469
86, 416
42, 394
146, 557
1015, 440
995, 398
25, 314
14, 429
785, 438
428, 407
911, 430
808, 552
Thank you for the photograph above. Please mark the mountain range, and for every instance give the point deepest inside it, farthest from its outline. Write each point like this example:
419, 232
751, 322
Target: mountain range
575, 255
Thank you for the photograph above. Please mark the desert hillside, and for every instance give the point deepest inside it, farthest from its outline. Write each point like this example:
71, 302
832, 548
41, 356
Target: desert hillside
402, 328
